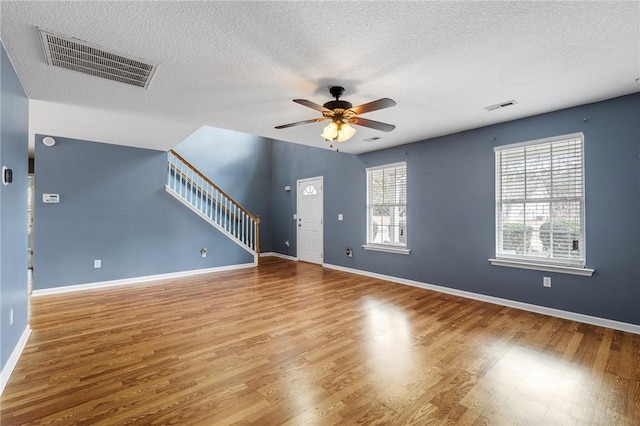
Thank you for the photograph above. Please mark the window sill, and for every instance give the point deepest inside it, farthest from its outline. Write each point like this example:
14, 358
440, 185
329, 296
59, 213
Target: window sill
388, 249
573, 270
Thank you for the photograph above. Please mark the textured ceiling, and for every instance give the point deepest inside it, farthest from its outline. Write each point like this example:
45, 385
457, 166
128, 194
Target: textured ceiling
238, 65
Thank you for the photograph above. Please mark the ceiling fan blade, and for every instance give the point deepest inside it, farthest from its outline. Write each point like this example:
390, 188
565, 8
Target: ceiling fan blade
313, 120
373, 106
311, 105
359, 121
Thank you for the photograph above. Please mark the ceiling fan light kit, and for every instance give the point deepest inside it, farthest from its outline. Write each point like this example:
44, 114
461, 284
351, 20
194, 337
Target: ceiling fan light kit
342, 114
338, 131
330, 132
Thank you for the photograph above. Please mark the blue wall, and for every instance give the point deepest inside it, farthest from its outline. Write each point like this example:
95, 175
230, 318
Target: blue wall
113, 207
343, 180
14, 112
451, 213
240, 164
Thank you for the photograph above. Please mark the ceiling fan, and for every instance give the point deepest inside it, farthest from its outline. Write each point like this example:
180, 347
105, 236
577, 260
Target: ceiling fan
342, 114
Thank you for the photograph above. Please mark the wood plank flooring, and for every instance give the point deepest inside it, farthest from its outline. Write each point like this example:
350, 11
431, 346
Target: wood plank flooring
295, 344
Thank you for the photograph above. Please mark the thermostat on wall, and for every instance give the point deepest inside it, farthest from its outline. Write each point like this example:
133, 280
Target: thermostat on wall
51, 198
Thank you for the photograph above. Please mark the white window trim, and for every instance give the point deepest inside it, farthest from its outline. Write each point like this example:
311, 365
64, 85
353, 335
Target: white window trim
541, 265
572, 270
539, 141
387, 248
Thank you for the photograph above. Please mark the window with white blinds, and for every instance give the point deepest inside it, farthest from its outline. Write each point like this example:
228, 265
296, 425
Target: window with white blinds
540, 201
387, 206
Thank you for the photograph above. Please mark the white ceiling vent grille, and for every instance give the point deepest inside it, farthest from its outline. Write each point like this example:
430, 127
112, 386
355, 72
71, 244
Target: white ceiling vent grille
78, 55
500, 105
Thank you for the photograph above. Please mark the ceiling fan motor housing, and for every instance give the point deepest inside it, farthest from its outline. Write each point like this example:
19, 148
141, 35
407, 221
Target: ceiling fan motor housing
337, 104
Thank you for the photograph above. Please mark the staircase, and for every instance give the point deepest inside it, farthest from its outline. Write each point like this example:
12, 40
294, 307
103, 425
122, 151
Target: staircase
193, 189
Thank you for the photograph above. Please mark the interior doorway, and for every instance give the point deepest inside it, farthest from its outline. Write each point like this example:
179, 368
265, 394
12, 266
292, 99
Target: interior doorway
30, 222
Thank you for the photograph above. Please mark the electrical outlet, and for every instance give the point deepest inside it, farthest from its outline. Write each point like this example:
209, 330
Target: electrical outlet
349, 252
97, 263
546, 281
203, 252
286, 243
11, 316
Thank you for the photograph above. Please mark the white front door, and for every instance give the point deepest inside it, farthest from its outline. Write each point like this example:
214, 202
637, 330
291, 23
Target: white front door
309, 221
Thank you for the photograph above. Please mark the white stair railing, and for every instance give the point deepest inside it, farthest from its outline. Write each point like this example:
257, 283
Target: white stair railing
194, 189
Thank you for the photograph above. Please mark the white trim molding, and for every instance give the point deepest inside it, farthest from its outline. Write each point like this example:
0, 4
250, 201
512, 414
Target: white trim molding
5, 375
573, 316
136, 280
573, 270
386, 249
280, 255
578, 135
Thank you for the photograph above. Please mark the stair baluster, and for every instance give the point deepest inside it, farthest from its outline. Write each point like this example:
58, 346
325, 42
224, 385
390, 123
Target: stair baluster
200, 194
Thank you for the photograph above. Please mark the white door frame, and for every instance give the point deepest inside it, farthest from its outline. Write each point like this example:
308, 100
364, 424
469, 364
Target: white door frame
299, 189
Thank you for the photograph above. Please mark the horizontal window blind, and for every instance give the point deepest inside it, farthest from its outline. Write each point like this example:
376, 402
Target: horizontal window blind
540, 201
387, 205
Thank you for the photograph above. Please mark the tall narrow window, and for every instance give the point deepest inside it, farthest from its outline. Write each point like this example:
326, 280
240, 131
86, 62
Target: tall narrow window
540, 201
387, 208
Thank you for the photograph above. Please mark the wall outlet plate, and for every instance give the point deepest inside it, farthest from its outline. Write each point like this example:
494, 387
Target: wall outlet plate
97, 263
546, 281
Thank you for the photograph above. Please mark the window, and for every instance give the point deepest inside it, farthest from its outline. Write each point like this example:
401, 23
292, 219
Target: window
309, 190
540, 204
387, 208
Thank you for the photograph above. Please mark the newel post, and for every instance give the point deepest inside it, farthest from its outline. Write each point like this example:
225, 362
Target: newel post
258, 238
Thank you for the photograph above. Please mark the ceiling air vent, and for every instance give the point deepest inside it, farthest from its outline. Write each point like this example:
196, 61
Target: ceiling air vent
78, 55
500, 105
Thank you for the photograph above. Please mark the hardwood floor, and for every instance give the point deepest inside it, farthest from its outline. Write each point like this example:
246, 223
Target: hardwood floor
293, 343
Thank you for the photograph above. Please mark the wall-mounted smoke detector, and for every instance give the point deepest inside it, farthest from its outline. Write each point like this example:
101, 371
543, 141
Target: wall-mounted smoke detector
48, 141
78, 55
500, 105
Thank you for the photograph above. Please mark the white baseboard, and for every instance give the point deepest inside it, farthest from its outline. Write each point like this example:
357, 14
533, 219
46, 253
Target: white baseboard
280, 255
136, 280
573, 316
5, 375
